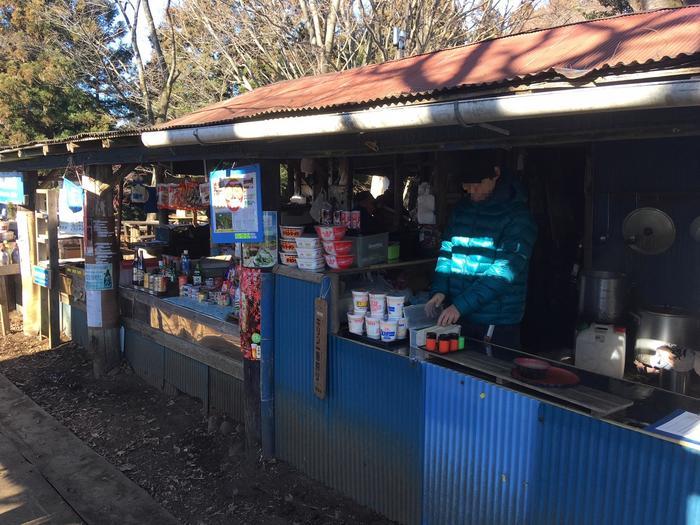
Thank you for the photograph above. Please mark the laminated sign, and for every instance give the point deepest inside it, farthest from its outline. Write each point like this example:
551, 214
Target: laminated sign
98, 277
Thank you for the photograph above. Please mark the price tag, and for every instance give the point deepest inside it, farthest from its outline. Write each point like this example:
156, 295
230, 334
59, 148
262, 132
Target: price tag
320, 347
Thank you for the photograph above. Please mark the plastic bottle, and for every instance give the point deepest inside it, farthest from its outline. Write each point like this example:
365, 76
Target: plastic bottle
15, 254
135, 268
197, 276
185, 263
4, 256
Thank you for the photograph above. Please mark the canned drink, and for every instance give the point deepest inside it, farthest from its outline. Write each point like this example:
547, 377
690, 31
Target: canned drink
345, 218
337, 218
355, 220
209, 282
326, 217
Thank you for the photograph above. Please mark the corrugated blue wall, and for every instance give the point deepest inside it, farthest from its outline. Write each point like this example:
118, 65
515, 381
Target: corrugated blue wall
595, 473
366, 437
497, 457
481, 447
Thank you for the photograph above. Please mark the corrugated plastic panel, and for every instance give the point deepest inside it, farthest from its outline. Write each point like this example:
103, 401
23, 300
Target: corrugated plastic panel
595, 473
366, 437
572, 50
187, 375
481, 442
145, 357
225, 394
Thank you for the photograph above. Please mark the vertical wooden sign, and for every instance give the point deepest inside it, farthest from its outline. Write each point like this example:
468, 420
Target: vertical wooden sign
320, 347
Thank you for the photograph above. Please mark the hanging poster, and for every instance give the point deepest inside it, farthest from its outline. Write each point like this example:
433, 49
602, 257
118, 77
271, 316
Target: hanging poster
70, 209
11, 187
98, 277
264, 254
236, 205
249, 316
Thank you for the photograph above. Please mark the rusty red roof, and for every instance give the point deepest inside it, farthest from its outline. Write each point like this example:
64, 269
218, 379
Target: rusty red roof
571, 50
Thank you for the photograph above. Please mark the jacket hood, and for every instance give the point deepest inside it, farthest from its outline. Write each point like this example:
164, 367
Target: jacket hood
508, 190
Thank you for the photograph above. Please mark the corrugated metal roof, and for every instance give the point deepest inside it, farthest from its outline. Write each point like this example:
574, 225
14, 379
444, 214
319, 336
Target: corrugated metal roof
571, 51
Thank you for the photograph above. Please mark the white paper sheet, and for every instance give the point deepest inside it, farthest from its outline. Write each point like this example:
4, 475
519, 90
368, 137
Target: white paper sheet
685, 425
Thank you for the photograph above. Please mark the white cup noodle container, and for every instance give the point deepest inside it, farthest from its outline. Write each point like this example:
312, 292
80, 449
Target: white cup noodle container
401, 328
377, 303
308, 242
356, 323
309, 253
360, 301
373, 329
388, 330
394, 306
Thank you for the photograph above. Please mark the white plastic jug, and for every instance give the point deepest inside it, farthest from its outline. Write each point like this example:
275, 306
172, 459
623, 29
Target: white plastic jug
600, 348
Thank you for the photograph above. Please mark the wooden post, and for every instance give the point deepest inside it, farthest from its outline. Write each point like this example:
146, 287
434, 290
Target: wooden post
54, 302
101, 269
31, 298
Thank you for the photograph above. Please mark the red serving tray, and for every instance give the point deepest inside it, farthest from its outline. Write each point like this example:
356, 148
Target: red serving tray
555, 378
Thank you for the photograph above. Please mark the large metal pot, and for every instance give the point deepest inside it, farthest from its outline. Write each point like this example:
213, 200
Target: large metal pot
602, 296
667, 325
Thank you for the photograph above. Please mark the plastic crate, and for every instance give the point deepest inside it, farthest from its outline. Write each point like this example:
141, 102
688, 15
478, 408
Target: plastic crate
370, 249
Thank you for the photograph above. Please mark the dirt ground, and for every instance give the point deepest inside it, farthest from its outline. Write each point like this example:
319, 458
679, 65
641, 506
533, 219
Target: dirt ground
166, 445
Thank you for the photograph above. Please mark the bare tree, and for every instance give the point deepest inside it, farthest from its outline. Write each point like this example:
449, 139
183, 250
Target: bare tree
111, 57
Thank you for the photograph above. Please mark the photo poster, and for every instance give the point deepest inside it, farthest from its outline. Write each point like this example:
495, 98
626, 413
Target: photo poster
70, 209
236, 205
11, 188
264, 254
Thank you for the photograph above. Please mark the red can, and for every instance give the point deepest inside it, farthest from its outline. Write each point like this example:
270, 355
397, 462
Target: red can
355, 220
326, 217
345, 219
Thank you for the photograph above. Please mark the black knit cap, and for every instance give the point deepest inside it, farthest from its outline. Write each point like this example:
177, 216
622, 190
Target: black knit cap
474, 166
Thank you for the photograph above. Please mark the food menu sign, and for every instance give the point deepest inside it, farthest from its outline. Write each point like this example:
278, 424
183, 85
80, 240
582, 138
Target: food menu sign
236, 205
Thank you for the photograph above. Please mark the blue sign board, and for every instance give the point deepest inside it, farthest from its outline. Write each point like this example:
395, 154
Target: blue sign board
42, 276
11, 187
236, 205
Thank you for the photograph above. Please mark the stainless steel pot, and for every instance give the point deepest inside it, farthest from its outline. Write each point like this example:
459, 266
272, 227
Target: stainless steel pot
602, 296
670, 325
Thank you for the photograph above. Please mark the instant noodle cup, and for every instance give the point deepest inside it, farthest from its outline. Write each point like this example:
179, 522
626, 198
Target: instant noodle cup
394, 306
372, 325
387, 330
377, 303
356, 323
360, 301
401, 328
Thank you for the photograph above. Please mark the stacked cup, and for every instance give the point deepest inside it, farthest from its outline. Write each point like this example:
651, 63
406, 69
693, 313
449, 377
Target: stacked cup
356, 318
370, 313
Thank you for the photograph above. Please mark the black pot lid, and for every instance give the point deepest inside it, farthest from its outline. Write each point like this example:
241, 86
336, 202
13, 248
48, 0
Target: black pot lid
649, 231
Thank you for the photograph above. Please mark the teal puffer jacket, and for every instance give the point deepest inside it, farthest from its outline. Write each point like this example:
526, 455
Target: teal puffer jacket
483, 263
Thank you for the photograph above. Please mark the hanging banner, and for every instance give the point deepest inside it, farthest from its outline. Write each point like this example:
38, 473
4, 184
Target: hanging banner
264, 254
236, 205
70, 209
11, 187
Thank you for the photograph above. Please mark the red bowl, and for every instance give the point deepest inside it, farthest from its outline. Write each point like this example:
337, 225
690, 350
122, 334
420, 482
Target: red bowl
339, 262
531, 368
331, 233
338, 247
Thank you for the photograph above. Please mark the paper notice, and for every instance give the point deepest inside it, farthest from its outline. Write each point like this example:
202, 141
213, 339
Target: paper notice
685, 425
94, 308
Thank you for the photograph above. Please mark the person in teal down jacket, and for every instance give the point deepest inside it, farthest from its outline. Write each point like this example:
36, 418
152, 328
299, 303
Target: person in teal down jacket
481, 274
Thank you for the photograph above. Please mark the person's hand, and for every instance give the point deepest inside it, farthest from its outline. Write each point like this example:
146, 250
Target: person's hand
449, 315
432, 305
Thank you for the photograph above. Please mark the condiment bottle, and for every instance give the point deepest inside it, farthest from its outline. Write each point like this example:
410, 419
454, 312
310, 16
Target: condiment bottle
443, 344
454, 342
431, 341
